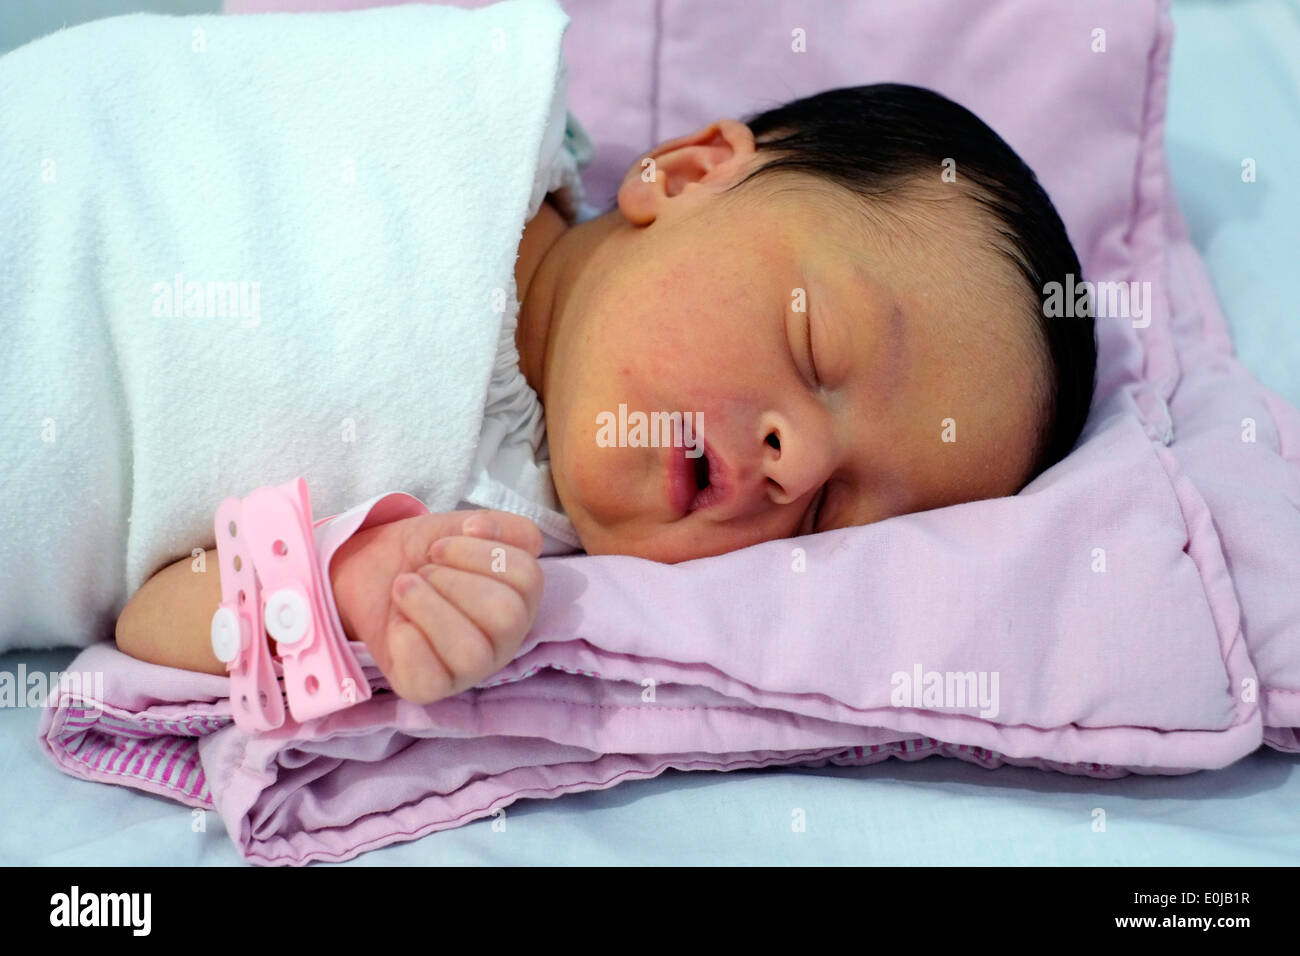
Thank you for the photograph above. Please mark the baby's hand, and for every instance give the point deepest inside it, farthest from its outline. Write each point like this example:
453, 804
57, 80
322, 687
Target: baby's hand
442, 601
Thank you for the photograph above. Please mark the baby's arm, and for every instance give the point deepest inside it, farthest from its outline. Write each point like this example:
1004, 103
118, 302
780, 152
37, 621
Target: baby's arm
467, 617
168, 621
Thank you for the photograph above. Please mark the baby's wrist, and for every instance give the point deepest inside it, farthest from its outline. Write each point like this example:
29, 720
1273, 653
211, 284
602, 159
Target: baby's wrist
342, 575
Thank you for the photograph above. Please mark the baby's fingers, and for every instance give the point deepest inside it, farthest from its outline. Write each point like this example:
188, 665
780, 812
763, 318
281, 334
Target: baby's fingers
501, 562
415, 672
490, 604
505, 527
436, 651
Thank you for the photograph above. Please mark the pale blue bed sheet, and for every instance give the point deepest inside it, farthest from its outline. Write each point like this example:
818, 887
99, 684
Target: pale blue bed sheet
1235, 93
936, 811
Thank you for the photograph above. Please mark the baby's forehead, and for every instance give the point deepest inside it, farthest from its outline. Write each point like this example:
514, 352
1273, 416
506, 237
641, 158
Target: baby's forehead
922, 239
931, 243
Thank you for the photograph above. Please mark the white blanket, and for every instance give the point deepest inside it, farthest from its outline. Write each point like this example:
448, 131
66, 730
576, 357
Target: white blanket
236, 250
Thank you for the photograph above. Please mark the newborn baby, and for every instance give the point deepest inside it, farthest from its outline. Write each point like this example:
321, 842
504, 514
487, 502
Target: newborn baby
845, 292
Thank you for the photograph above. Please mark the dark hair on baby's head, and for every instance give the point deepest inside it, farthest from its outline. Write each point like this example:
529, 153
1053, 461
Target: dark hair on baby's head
873, 139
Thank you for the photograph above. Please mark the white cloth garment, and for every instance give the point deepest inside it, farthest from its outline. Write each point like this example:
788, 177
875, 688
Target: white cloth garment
512, 465
239, 250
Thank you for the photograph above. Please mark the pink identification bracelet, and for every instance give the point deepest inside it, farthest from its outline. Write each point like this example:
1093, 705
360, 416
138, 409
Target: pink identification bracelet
275, 574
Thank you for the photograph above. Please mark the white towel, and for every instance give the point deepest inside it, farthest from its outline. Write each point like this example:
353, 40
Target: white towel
361, 178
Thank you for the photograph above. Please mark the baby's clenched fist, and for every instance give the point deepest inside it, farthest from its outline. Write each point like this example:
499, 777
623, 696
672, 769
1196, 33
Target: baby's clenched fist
442, 601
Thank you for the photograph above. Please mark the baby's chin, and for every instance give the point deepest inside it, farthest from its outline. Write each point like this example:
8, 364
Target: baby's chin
598, 539
667, 544
626, 538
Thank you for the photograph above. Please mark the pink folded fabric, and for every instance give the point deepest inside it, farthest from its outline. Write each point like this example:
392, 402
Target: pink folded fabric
565, 716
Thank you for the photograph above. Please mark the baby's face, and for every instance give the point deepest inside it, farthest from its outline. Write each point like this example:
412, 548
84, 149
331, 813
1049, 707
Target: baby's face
811, 347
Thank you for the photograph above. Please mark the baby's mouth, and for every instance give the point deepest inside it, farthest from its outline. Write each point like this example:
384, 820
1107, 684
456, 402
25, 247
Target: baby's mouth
711, 482
695, 481
689, 478
701, 472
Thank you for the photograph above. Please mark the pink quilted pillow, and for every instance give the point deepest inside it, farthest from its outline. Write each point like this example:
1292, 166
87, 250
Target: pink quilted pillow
1138, 599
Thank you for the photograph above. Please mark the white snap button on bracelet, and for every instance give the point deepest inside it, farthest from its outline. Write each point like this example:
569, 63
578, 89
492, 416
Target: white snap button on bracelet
225, 635
286, 616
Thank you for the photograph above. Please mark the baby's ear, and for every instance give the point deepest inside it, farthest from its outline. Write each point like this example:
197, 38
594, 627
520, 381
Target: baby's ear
711, 154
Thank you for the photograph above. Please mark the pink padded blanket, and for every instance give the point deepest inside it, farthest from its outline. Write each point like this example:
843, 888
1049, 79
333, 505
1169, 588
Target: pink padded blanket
1133, 610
